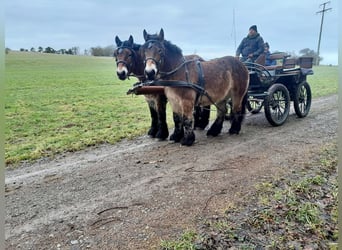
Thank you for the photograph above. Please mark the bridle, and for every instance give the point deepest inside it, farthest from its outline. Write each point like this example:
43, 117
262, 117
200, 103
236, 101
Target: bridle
133, 54
161, 60
161, 54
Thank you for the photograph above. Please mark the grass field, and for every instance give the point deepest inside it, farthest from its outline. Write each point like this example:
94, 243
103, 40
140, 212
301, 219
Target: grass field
59, 103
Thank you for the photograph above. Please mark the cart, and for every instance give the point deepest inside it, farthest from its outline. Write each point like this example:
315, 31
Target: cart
274, 87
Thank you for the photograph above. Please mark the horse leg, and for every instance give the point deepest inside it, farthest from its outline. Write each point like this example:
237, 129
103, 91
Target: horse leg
163, 130
201, 117
216, 127
238, 113
189, 135
178, 132
197, 116
154, 118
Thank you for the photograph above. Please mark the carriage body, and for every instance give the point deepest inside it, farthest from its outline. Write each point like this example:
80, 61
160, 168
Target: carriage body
275, 87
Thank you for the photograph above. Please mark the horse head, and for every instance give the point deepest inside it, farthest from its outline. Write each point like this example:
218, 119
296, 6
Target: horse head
125, 56
153, 53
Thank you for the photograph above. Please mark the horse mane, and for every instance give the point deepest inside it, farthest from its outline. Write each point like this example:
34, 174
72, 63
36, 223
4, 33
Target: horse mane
136, 47
174, 49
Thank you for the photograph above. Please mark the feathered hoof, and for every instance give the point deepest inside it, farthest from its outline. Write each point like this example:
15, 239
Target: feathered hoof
152, 132
176, 137
162, 134
189, 140
215, 129
234, 131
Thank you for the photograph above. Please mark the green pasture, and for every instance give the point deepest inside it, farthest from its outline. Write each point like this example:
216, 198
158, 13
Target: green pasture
59, 103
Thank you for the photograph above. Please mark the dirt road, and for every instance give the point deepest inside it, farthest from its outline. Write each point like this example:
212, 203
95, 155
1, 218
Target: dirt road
130, 195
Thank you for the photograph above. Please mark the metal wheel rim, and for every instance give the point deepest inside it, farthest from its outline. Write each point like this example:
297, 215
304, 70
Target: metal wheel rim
303, 99
278, 105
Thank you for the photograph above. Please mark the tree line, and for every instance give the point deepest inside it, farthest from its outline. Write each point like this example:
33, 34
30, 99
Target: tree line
109, 50
93, 51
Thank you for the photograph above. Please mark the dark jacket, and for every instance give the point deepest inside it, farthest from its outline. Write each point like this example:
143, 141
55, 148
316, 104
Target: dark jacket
251, 45
268, 61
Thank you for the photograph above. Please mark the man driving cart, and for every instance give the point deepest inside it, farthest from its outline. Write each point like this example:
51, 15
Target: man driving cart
251, 46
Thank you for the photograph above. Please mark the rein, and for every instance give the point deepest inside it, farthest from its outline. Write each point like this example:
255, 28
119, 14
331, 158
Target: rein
184, 63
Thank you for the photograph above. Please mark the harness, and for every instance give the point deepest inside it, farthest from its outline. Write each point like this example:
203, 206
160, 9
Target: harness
199, 87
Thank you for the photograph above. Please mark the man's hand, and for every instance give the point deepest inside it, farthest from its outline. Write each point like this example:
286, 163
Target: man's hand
250, 55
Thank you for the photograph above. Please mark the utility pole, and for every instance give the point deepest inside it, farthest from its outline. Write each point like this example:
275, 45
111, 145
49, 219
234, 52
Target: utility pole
320, 31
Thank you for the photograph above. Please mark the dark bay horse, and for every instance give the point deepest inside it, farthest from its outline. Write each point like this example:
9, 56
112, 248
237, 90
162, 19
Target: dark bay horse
129, 61
224, 78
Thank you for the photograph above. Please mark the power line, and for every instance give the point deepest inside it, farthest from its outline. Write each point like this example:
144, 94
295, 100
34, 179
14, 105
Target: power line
320, 31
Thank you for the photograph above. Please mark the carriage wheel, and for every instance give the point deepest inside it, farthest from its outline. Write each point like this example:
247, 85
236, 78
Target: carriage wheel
254, 105
302, 101
277, 104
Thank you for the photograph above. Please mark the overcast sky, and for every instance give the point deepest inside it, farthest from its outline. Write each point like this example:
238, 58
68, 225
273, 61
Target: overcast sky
207, 28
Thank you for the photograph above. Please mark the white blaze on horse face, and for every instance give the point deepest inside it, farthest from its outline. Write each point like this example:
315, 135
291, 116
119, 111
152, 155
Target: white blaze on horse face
151, 66
121, 69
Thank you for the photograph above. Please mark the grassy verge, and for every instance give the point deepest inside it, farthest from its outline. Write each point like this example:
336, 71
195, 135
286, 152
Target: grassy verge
59, 103
324, 81
298, 211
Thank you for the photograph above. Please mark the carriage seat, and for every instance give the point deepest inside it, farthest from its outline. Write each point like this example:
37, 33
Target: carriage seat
261, 59
278, 56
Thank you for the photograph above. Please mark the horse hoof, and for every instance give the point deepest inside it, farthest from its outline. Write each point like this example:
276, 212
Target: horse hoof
152, 132
212, 132
175, 138
187, 142
233, 131
162, 135
215, 129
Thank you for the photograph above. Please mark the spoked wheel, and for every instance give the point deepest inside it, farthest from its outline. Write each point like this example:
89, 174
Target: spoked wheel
277, 104
254, 105
302, 100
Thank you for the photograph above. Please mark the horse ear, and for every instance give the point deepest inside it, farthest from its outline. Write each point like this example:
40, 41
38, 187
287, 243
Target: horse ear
118, 41
161, 34
130, 39
145, 36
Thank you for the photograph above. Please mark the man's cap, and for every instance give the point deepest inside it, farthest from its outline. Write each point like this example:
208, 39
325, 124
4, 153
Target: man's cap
254, 27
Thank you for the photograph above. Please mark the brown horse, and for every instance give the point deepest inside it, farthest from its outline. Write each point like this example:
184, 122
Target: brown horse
129, 62
224, 78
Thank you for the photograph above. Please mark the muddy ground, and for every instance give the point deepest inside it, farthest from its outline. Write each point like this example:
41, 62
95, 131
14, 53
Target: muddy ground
132, 194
